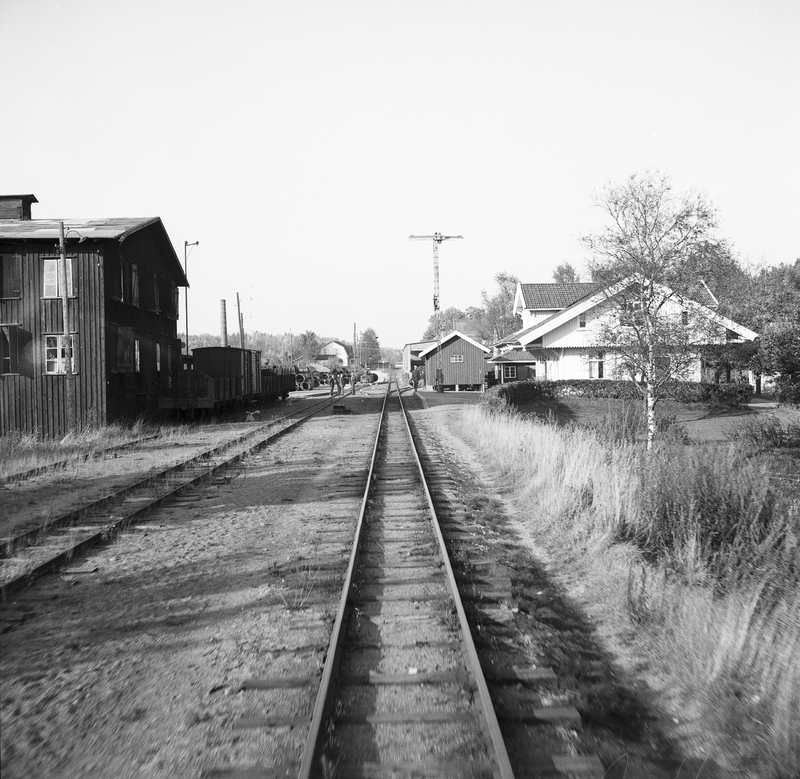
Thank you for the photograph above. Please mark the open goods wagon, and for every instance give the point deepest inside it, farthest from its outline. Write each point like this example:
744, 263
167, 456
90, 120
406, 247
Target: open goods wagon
276, 383
220, 377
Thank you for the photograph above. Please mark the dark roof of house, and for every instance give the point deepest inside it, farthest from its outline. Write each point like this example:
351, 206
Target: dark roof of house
114, 227
515, 355
30, 197
556, 296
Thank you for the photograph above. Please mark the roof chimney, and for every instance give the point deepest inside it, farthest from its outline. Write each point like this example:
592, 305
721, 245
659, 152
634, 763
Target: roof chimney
16, 206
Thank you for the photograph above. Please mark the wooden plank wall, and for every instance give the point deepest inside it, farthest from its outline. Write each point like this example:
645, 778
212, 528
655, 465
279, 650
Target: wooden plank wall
132, 394
471, 371
31, 400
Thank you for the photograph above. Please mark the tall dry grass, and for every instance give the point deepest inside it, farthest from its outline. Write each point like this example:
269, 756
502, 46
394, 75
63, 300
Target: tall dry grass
20, 452
710, 578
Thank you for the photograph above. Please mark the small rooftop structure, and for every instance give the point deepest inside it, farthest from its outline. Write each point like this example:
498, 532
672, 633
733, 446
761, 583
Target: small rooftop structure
16, 206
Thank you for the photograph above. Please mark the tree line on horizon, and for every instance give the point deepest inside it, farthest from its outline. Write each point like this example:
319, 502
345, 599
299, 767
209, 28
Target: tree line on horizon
299, 349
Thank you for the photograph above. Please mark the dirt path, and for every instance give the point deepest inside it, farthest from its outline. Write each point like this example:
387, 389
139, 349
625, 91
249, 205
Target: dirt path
131, 663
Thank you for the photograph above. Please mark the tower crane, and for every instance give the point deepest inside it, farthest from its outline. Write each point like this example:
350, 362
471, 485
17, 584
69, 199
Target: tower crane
437, 239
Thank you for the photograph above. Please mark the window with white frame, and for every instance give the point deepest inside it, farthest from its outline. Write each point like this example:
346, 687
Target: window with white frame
582, 319
51, 276
9, 348
55, 357
509, 371
158, 357
137, 366
456, 358
596, 367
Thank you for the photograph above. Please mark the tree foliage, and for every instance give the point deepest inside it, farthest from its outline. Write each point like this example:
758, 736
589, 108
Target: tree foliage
488, 322
369, 348
565, 274
647, 257
308, 344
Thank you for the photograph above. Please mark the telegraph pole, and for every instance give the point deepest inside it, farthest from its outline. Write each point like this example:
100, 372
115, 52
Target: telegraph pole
437, 239
67, 338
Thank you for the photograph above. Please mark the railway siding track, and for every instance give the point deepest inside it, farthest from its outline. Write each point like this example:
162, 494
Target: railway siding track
58, 465
37, 550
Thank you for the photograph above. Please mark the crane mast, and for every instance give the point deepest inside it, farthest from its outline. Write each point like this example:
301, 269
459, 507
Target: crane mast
437, 239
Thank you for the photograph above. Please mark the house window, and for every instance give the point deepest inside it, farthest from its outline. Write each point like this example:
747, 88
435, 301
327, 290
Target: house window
456, 358
55, 354
10, 276
174, 291
156, 295
134, 284
596, 367
158, 357
9, 348
137, 366
582, 320
684, 317
51, 275
509, 371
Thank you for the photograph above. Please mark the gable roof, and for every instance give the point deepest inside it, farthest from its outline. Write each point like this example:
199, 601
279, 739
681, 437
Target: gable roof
515, 355
111, 228
534, 332
556, 296
450, 337
114, 227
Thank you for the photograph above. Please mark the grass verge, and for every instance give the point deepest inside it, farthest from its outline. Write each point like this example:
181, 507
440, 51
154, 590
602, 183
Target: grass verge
21, 452
691, 554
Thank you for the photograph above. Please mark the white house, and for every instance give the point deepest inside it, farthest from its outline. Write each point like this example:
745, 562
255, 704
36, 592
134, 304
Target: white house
411, 353
562, 325
334, 354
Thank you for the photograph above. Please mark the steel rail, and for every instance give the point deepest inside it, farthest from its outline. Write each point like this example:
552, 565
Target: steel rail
333, 654
107, 529
492, 725
14, 541
56, 465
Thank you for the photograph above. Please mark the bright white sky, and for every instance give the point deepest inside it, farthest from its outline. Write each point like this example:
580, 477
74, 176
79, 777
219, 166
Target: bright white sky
301, 142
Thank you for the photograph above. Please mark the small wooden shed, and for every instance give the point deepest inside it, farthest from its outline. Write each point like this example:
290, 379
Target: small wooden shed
457, 362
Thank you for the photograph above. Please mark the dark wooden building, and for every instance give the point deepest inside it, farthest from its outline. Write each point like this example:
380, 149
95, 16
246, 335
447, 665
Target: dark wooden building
461, 360
122, 281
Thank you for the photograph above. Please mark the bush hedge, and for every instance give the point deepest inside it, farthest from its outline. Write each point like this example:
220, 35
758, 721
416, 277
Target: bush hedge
517, 393
787, 391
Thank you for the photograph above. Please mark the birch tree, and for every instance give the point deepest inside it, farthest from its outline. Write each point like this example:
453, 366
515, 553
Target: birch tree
647, 256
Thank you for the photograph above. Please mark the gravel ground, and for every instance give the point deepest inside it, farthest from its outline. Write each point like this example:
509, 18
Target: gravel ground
132, 661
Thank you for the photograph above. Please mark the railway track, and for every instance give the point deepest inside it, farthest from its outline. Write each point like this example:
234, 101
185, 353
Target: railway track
33, 551
402, 692
59, 465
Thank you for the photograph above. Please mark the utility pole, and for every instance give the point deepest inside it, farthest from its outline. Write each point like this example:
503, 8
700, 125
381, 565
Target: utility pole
67, 338
437, 239
186, 245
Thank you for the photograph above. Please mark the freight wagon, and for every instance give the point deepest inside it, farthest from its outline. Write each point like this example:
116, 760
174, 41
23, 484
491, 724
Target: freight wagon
222, 377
